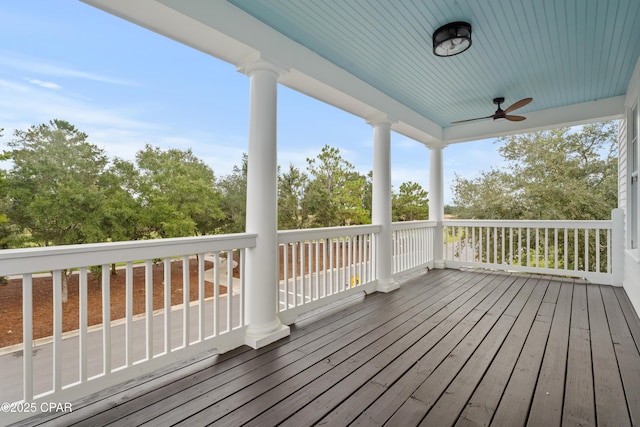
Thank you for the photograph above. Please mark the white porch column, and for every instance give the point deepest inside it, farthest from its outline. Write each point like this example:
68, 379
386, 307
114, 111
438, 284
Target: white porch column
261, 293
617, 243
381, 203
436, 202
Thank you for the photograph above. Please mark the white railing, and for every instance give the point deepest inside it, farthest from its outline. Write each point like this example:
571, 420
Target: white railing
412, 245
318, 266
566, 248
322, 265
71, 364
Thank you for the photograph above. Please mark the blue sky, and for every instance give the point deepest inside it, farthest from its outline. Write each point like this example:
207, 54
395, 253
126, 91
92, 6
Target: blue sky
125, 86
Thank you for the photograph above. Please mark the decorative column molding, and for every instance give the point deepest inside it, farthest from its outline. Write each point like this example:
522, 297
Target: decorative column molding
261, 292
436, 201
381, 201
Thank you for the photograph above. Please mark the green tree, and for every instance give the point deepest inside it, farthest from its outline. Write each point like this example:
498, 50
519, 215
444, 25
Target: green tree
563, 174
335, 193
55, 185
122, 219
410, 203
490, 196
176, 191
234, 198
291, 188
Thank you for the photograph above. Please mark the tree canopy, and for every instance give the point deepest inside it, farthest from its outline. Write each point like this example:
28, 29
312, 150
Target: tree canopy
411, 203
62, 189
176, 191
563, 173
335, 191
55, 184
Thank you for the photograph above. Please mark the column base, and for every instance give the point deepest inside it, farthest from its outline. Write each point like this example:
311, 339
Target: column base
257, 341
387, 285
439, 265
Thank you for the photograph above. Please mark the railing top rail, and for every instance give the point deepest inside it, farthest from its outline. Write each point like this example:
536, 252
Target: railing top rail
289, 236
603, 224
30, 260
406, 225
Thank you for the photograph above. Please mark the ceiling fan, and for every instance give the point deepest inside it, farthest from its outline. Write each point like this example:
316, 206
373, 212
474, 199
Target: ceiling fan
503, 114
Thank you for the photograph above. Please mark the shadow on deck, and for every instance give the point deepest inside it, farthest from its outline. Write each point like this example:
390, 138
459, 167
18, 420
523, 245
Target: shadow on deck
448, 348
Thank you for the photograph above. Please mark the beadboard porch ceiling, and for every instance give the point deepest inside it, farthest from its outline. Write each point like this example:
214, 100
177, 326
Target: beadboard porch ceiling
575, 58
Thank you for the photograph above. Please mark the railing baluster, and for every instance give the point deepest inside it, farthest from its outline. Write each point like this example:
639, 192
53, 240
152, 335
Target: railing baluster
609, 244
537, 250
27, 337
310, 268
303, 272
186, 298
555, 247
57, 330
201, 297
487, 232
353, 265
511, 247
285, 274
394, 252
502, 243
576, 244
129, 313
586, 249
495, 245
325, 271
566, 248
344, 264
528, 247
546, 247
476, 258
83, 320
230, 289
167, 305
331, 269
317, 268
148, 306
106, 320
294, 273
360, 248
598, 270
216, 293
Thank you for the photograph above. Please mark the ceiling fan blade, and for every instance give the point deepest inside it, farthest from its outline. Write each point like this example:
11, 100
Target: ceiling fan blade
518, 104
470, 120
514, 118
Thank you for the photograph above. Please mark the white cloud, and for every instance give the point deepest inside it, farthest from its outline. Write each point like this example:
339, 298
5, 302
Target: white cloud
47, 85
43, 67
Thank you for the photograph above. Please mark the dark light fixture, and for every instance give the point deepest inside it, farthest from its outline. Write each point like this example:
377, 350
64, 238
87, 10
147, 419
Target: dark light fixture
452, 39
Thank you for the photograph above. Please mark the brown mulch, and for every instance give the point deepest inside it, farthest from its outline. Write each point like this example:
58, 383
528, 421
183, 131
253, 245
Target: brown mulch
11, 299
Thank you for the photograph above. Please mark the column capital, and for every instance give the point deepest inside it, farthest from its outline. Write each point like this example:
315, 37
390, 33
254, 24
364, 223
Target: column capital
436, 146
256, 62
379, 119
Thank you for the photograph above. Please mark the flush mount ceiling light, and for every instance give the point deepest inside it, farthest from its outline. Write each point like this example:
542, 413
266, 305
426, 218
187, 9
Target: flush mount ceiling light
452, 39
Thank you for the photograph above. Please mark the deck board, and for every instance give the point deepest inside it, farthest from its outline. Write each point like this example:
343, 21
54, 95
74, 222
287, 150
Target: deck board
546, 408
626, 352
486, 398
448, 348
579, 400
611, 407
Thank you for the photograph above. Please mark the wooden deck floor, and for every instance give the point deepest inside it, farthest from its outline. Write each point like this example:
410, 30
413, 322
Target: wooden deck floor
449, 348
